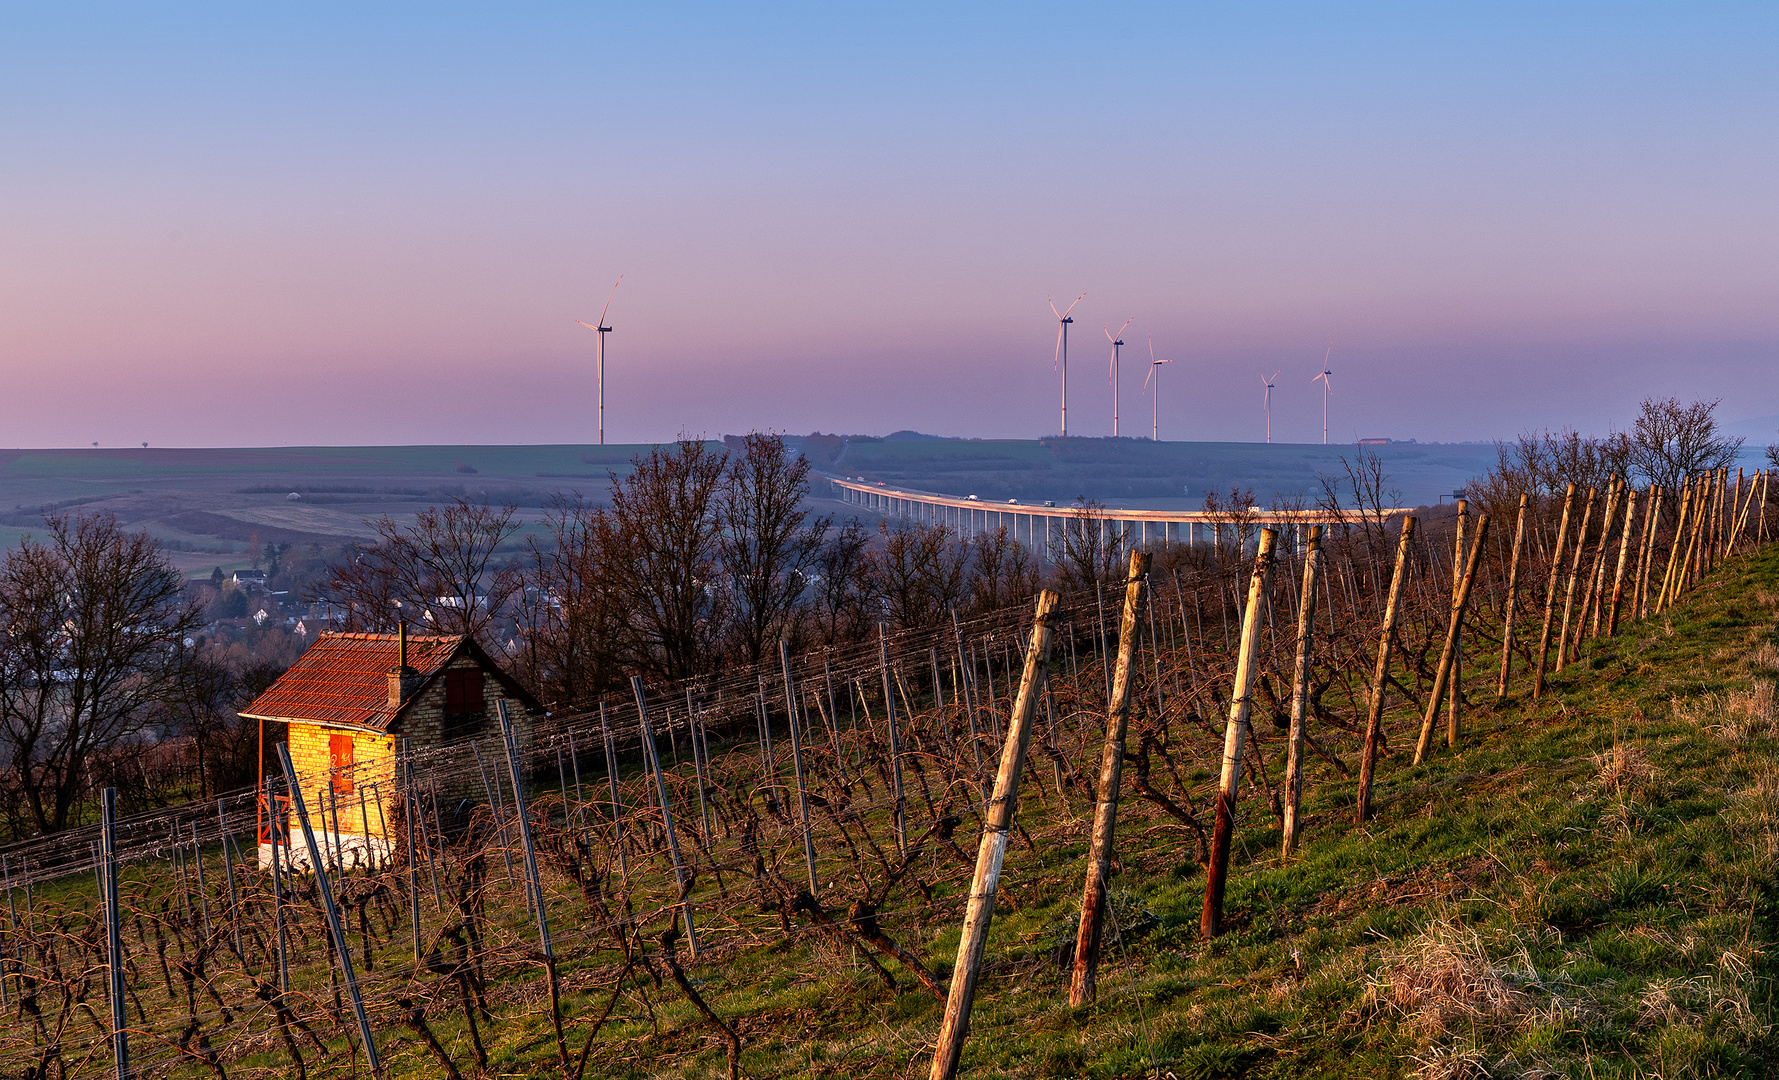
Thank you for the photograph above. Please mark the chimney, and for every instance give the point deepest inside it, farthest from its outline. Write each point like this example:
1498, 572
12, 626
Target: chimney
403, 680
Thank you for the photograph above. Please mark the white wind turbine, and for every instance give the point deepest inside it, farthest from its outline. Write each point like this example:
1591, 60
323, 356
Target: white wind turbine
603, 330
1117, 341
1154, 402
1327, 389
1267, 381
1062, 355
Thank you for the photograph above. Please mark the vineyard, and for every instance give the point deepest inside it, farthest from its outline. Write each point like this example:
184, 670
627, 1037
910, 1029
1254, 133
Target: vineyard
791, 871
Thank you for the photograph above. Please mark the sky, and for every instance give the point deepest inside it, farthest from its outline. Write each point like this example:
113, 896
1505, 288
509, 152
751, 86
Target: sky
378, 223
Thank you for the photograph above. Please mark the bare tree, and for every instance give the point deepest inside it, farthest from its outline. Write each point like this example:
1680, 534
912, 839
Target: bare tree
1002, 571
842, 586
1368, 495
1091, 548
573, 613
919, 573
1671, 442
92, 622
439, 570
665, 556
768, 541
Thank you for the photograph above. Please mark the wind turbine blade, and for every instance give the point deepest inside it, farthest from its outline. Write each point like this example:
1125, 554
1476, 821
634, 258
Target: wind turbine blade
1108, 333
1152, 348
588, 325
1053, 310
1127, 322
1078, 299
608, 299
1055, 360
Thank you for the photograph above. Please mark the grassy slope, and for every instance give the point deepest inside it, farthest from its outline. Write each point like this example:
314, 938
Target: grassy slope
1583, 889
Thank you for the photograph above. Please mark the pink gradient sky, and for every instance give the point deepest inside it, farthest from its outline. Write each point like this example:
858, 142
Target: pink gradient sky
221, 227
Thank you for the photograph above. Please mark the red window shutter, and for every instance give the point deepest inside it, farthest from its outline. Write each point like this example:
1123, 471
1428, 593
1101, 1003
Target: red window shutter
339, 762
463, 690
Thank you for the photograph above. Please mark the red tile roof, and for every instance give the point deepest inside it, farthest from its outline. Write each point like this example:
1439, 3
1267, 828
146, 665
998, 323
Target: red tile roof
344, 679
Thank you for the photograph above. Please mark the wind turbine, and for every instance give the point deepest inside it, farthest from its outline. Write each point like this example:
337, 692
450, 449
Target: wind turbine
600, 363
1267, 381
1117, 341
1154, 402
1327, 389
1062, 355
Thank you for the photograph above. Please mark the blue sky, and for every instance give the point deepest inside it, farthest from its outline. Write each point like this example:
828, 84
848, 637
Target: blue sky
385, 219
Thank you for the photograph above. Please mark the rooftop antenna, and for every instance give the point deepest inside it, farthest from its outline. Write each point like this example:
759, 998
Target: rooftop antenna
1062, 355
1154, 402
1117, 341
1327, 389
600, 362
1267, 381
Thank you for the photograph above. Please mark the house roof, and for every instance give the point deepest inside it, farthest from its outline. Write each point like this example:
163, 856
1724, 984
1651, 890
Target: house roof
344, 679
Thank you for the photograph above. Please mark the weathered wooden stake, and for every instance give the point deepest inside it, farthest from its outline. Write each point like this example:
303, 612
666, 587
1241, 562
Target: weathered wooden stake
999, 820
611, 776
326, 891
1624, 553
1453, 634
1091, 926
1550, 594
1652, 516
278, 910
1455, 689
1300, 690
114, 942
790, 705
895, 741
1510, 616
228, 868
533, 883
679, 867
1581, 546
1588, 623
411, 810
1374, 720
1241, 703
1675, 546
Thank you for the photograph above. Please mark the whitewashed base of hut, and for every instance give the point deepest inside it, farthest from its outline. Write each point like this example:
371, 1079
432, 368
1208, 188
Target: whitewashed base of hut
355, 852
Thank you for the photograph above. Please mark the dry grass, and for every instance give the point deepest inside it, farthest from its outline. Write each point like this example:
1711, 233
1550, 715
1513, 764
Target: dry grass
1737, 715
1445, 977
1623, 768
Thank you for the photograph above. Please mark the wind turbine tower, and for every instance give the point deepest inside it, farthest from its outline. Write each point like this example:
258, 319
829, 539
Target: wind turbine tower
1117, 341
1267, 381
1062, 355
599, 363
1154, 402
1327, 389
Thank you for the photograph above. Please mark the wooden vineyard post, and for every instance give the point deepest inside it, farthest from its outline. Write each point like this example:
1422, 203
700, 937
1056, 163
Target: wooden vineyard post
1664, 595
1455, 686
410, 810
1105, 809
1588, 623
1581, 546
114, 942
341, 949
1374, 720
1300, 688
790, 701
1652, 516
1550, 594
533, 883
1624, 554
679, 867
611, 777
895, 741
999, 820
1513, 592
1448, 655
1210, 922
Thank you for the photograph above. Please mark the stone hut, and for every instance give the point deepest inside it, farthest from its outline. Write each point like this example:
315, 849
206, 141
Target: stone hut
346, 704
